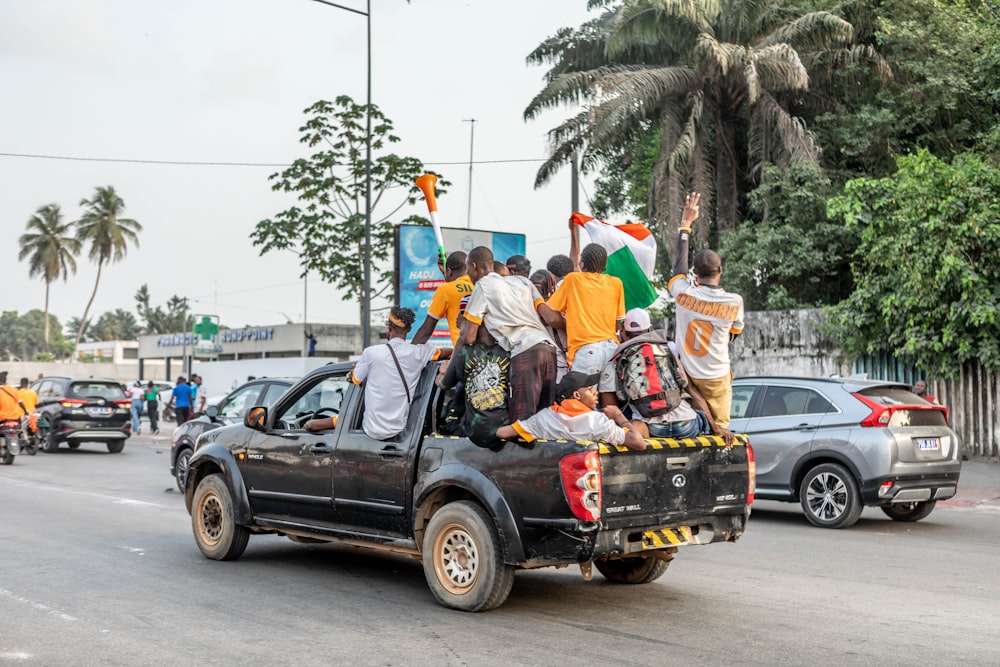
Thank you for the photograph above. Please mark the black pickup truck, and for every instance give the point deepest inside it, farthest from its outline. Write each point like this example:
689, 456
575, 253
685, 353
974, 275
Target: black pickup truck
472, 515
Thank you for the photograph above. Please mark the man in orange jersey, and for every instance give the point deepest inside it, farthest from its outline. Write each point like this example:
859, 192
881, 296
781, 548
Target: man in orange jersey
593, 303
449, 299
708, 318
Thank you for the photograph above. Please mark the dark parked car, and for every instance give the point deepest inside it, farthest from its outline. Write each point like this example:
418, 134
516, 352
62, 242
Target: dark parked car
230, 409
83, 410
835, 445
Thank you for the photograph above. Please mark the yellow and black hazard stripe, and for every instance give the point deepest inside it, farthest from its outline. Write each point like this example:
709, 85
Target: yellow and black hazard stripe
678, 443
666, 537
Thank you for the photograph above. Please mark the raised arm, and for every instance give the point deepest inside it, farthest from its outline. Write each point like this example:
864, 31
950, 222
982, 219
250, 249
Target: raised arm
574, 243
684, 232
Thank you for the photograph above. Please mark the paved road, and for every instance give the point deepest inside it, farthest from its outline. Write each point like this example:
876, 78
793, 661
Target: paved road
101, 569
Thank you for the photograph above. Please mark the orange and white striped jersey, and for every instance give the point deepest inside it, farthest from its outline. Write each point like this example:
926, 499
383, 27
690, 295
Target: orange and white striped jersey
706, 316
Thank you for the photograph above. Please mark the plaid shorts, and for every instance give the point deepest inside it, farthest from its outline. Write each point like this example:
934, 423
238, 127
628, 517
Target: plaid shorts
532, 381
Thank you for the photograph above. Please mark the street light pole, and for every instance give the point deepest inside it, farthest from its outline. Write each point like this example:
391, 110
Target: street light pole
366, 306
472, 136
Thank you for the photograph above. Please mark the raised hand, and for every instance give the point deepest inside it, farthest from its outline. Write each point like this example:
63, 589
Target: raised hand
691, 209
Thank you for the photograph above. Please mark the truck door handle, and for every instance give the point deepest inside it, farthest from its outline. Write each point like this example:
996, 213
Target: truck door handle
806, 427
321, 448
677, 462
391, 451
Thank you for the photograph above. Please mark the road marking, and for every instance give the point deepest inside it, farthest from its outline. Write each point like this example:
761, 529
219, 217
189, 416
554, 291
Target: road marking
37, 605
118, 500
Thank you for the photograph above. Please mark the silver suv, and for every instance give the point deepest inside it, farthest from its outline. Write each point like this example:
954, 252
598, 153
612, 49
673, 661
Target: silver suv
835, 445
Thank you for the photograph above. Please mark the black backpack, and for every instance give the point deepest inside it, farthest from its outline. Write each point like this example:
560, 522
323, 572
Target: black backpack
647, 376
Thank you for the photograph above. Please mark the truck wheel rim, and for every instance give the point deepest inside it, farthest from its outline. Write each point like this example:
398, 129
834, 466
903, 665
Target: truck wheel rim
456, 559
211, 519
827, 496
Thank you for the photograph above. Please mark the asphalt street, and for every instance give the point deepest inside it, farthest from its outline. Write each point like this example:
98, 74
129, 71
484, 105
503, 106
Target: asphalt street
101, 569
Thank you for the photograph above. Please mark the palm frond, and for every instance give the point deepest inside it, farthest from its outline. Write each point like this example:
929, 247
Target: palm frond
674, 23
777, 136
811, 32
572, 88
779, 68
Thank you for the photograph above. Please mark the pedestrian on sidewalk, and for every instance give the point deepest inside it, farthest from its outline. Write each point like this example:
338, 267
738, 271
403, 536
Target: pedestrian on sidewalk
152, 396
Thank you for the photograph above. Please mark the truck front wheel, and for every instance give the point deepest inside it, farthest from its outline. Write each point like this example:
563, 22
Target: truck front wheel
463, 561
640, 570
214, 521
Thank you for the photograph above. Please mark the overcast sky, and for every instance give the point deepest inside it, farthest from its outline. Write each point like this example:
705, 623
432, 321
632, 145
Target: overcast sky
226, 81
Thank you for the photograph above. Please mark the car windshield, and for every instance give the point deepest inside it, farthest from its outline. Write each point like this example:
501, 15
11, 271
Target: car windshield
106, 390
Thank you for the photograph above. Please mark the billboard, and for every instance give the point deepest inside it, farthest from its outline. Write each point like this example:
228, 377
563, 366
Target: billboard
417, 273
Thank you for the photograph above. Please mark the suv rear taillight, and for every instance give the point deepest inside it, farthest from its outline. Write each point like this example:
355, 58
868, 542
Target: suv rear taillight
124, 404
72, 402
882, 414
752, 476
581, 480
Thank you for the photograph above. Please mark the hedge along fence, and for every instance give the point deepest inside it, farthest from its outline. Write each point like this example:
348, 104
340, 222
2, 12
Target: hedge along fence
789, 342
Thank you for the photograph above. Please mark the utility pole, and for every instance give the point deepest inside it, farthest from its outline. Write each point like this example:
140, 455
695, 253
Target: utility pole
472, 136
574, 197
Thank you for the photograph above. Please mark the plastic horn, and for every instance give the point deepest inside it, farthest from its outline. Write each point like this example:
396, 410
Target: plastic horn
426, 183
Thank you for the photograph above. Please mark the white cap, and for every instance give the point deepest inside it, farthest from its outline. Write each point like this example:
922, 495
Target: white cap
637, 320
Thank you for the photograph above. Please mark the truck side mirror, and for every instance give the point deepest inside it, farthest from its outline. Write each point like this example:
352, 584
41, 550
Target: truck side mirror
255, 418
212, 411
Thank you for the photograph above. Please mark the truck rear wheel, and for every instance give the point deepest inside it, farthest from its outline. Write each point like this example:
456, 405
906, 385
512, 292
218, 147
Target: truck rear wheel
214, 521
463, 561
639, 570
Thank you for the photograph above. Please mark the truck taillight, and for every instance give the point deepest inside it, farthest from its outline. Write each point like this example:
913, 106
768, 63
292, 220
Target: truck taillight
751, 476
581, 480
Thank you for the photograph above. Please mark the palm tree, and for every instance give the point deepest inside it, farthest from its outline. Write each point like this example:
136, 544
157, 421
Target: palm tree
50, 249
713, 78
106, 234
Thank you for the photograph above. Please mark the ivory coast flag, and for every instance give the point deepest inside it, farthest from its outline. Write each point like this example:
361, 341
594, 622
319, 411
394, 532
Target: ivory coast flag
631, 256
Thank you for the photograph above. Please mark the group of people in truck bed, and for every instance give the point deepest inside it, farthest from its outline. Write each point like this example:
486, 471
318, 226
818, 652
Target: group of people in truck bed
554, 355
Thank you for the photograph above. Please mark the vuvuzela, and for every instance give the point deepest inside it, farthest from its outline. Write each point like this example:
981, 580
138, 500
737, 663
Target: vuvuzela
426, 183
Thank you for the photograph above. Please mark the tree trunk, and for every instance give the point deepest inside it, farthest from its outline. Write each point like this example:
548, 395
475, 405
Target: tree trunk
86, 311
47, 283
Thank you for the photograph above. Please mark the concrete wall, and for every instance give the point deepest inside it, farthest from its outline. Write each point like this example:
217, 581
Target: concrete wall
786, 342
123, 372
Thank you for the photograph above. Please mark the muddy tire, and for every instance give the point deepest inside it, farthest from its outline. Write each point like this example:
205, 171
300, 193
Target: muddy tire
462, 559
640, 570
213, 520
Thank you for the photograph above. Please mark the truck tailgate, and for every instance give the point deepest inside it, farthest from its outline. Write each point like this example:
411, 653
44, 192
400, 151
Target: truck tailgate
673, 482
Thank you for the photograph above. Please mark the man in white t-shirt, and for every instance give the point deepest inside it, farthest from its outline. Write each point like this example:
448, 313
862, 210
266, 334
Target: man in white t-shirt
511, 309
708, 318
390, 373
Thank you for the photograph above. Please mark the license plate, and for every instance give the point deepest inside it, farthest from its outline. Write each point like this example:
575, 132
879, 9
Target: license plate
99, 411
928, 443
666, 537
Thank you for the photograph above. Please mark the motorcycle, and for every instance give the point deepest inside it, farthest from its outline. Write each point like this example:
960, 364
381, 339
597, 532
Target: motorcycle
31, 435
10, 434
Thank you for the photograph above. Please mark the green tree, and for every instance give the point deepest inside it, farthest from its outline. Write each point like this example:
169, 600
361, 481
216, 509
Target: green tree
155, 319
715, 77
22, 337
107, 235
926, 276
327, 230
50, 249
118, 324
942, 95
